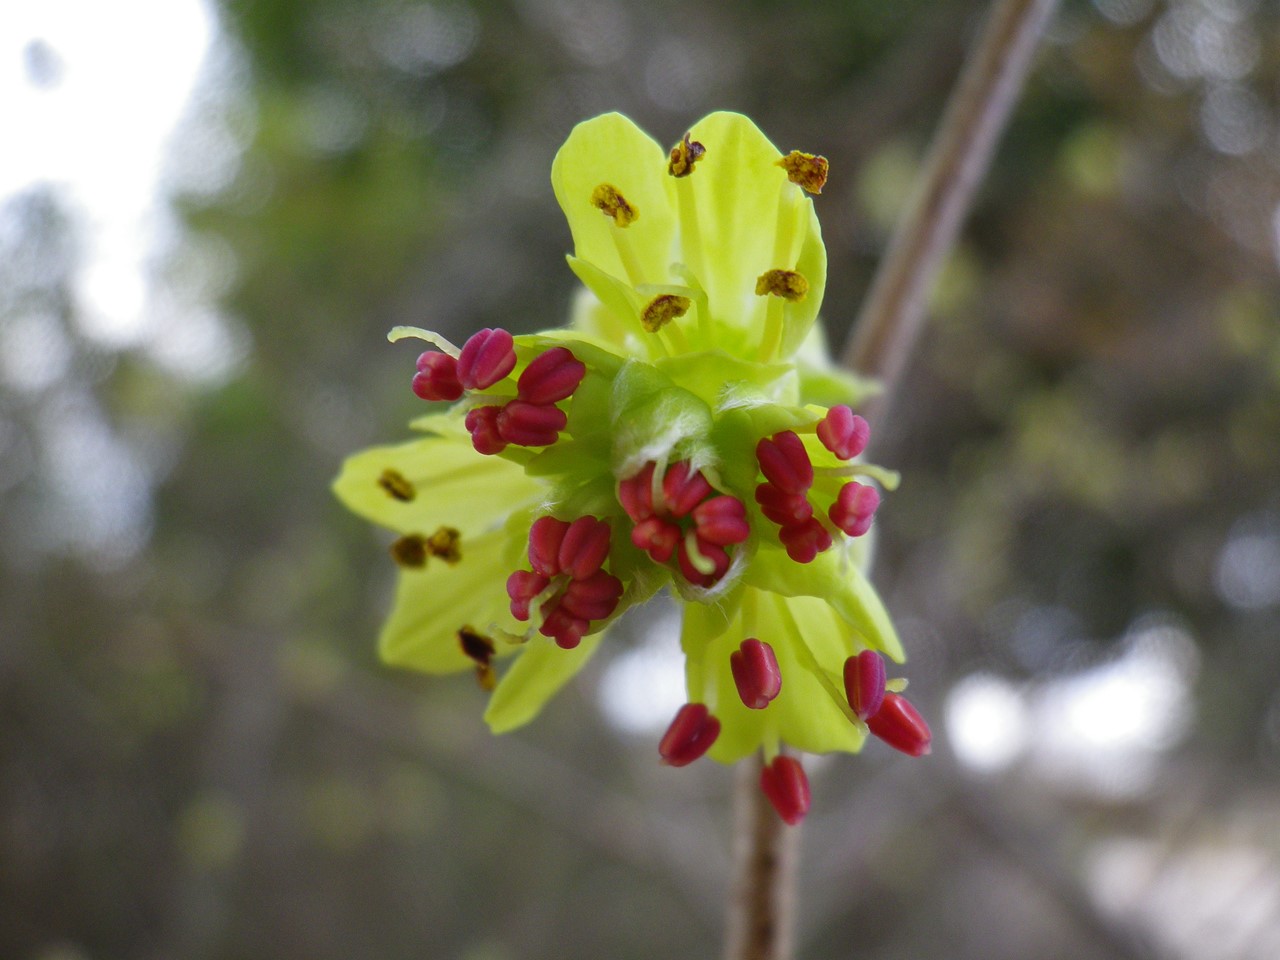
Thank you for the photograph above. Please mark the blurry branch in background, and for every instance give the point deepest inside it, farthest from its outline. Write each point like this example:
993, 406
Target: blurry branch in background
883, 338
893, 312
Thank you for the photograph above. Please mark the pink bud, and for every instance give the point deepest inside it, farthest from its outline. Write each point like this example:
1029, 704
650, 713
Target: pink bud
594, 598
782, 508
716, 555
855, 508
690, 735
864, 683
522, 587
804, 541
437, 377
843, 432
683, 488
545, 537
636, 494
551, 377
482, 423
585, 547
529, 425
755, 673
787, 788
659, 537
785, 462
899, 725
721, 520
562, 626
487, 357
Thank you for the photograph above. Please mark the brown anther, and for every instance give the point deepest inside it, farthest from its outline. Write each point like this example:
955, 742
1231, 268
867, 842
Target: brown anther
410, 551
480, 649
397, 487
786, 284
805, 170
445, 543
684, 155
611, 203
661, 310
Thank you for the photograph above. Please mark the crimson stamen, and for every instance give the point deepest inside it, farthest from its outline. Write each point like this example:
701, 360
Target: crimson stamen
864, 683
715, 557
584, 548
804, 541
785, 784
636, 494
781, 507
900, 725
545, 537
755, 673
690, 735
530, 425
855, 508
437, 377
551, 377
482, 424
785, 462
659, 537
487, 357
683, 488
843, 432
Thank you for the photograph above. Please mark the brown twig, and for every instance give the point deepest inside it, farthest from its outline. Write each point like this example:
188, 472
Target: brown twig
892, 314
882, 340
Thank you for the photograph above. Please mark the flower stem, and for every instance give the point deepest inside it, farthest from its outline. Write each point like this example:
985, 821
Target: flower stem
761, 904
893, 312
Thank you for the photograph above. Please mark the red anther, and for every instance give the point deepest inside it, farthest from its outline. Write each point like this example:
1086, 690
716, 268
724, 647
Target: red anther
636, 494
564, 628
683, 488
804, 541
899, 725
437, 377
715, 554
487, 357
721, 520
864, 683
522, 587
482, 423
529, 425
690, 735
785, 462
843, 432
551, 377
594, 598
545, 537
782, 508
787, 788
584, 548
755, 673
855, 508
659, 537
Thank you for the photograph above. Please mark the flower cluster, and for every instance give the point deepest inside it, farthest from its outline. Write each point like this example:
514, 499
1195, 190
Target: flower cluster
685, 433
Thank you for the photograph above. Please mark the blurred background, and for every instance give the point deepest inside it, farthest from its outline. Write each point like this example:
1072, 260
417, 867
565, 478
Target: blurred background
212, 212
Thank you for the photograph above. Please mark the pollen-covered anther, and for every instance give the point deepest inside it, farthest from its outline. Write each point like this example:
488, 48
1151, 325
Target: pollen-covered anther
683, 488
855, 508
786, 284
446, 544
900, 725
691, 734
683, 156
657, 536
804, 541
608, 200
437, 377
864, 683
480, 650
551, 377
755, 673
661, 310
781, 507
410, 551
721, 520
805, 170
530, 424
843, 432
482, 424
785, 462
396, 485
787, 788
702, 563
487, 357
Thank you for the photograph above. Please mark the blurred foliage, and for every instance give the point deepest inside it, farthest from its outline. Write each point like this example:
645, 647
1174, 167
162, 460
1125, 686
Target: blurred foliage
201, 758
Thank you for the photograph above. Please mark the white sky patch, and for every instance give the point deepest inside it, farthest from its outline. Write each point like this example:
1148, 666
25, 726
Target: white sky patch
642, 689
120, 76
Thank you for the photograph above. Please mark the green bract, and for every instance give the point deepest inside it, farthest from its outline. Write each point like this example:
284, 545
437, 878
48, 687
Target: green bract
650, 445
